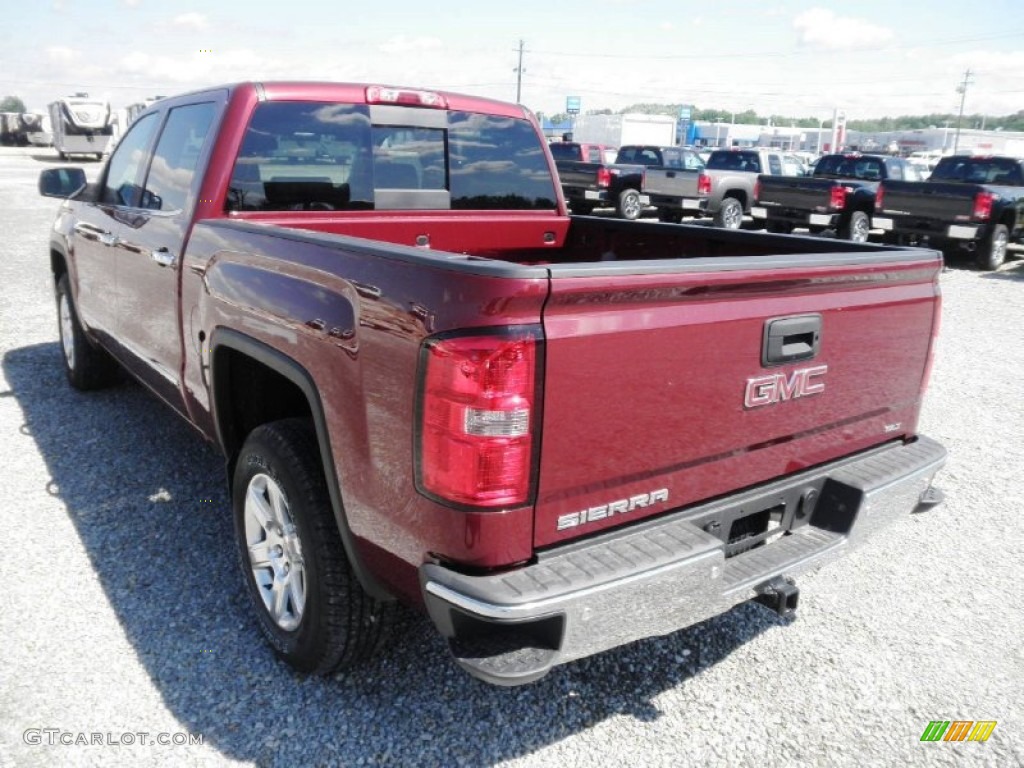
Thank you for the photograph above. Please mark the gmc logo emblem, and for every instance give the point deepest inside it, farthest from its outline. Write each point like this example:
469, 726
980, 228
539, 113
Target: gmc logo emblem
777, 387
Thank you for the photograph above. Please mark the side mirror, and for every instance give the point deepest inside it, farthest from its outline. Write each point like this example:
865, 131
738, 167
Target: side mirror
61, 182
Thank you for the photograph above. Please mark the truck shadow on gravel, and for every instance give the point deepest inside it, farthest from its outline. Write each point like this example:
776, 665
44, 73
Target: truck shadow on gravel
1012, 270
148, 500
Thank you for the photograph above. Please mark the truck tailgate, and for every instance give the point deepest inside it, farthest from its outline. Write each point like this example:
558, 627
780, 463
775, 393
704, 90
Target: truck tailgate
578, 174
656, 397
930, 200
802, 194
681, 183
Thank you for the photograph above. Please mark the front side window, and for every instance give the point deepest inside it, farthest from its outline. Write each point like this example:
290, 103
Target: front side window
175, 158
121, 186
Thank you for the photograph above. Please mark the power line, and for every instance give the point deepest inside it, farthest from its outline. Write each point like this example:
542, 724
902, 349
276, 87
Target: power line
763, 54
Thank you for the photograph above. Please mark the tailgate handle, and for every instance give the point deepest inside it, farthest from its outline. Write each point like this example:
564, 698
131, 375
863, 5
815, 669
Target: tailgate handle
789, 339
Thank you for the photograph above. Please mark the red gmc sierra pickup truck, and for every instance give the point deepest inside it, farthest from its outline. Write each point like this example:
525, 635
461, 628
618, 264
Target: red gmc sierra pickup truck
552, 434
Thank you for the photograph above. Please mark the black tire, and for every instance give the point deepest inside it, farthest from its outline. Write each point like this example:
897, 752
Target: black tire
337, 624
729, 214
629, 206
779, 227
991, 251
86, 366
670, 216
856, 227
582, 209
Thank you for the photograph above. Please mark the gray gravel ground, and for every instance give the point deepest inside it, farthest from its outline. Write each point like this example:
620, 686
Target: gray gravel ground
121, 610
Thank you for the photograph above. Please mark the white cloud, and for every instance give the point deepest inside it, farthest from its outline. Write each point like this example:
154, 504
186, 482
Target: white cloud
60, 54
403, 44
822, 28
194, 21
132, 3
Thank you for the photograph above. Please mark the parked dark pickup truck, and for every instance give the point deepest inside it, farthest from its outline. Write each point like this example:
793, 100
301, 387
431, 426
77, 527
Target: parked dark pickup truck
590, 185
553, 434
840, 195
970, 203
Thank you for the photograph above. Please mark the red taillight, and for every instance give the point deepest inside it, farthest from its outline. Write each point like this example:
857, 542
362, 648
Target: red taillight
757, 190
604, 177
837, 198
478, 419
703, 185
983, 206
879, 198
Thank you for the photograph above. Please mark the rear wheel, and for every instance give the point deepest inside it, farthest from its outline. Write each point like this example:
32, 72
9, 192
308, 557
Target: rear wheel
86, 366
992, 250
582, 209
309, 603
779, 227
670, 216
856, 228
629, 204
730, 214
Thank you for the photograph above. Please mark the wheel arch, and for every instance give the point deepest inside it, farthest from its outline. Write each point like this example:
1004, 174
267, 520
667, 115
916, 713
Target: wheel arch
230, 350
740, 195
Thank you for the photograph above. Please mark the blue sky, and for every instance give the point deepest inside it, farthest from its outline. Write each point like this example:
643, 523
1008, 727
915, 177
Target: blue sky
791, 57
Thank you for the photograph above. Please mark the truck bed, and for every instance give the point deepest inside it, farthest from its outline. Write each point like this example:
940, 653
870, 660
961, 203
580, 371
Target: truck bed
653, 341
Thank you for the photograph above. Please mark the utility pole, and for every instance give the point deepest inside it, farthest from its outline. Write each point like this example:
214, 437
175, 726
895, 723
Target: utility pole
519, 74
962, 90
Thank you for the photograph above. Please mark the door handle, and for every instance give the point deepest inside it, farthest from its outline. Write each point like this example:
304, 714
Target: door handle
790, 339
90, 232
163, 257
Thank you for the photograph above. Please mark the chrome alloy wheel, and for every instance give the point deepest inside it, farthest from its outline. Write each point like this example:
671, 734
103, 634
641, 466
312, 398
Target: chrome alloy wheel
67, 330
861, 230
1000, 239
732, 216
275, 552
631, 207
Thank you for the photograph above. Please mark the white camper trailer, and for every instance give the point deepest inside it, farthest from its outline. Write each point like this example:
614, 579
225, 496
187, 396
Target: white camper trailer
81, 126
40, 132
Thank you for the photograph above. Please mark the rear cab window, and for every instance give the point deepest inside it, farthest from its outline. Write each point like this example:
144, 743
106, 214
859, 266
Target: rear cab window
732, 160
319, 156
850, 167
979, 170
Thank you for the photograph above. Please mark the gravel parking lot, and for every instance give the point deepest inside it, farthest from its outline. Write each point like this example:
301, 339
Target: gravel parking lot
122, 611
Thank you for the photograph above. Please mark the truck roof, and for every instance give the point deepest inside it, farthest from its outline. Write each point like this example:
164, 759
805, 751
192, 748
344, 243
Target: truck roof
357, 93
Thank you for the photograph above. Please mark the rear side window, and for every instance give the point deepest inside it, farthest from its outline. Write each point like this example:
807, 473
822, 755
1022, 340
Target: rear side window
325, 156
774, 165
497, 163
175, 158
